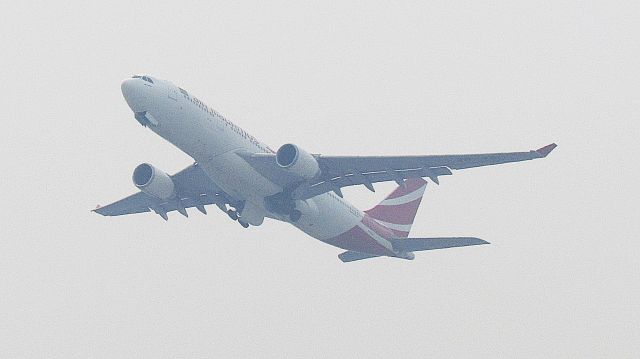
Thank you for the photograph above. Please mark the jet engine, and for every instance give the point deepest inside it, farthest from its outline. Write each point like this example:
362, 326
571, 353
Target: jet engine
153, 181
297, 161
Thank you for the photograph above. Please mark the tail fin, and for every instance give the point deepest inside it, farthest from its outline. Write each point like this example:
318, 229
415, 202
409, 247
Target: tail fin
398, 210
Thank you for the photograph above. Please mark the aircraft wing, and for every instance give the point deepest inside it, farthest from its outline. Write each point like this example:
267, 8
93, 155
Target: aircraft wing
193, 189
343, 171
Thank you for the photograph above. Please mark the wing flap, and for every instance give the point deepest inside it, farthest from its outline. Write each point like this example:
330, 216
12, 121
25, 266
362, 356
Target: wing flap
356, 178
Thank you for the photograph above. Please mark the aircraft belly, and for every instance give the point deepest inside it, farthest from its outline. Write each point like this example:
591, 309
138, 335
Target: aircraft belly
212, 147
237, 178
331, 219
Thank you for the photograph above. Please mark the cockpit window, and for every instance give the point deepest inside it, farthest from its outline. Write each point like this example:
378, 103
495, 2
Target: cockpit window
183, 91
145, 78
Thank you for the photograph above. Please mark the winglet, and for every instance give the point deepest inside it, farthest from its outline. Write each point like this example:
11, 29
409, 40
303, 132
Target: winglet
544, 151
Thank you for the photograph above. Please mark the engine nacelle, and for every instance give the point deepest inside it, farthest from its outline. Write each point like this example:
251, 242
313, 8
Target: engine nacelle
297, 161
153, 182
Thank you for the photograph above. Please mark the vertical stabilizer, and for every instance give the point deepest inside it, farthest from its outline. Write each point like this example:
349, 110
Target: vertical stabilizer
398, 210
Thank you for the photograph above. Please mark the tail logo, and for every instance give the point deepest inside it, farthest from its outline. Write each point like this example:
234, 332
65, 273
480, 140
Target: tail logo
399, 209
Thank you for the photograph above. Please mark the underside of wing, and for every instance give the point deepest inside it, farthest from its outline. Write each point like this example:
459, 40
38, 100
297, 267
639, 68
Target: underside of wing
136, 203
336, 172
193, 188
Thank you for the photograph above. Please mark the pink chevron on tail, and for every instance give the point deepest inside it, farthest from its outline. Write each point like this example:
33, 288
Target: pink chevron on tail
399, 209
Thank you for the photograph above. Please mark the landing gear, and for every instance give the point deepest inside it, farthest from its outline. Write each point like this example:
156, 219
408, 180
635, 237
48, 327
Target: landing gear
232, 214
295, 215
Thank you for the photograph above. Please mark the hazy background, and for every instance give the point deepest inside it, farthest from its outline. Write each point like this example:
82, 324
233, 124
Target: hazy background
560, 279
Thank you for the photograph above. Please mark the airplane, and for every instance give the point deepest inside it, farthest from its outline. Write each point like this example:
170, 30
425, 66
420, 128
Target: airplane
249, 181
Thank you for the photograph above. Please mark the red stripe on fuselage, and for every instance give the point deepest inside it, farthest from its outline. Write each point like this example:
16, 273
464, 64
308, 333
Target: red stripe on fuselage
399, 234
396, 214
379, 229
356, 239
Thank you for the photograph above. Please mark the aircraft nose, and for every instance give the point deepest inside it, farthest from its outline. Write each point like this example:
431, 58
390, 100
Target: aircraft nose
133, 92
127, 86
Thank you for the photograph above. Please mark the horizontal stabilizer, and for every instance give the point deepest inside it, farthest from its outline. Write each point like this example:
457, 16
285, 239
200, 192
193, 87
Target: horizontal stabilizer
407, 245
426, 244
350, 256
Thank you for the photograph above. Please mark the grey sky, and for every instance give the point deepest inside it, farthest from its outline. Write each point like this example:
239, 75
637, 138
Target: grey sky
560, 279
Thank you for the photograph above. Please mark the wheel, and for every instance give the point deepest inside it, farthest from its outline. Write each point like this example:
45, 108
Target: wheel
244, 224
295, 215
232, 214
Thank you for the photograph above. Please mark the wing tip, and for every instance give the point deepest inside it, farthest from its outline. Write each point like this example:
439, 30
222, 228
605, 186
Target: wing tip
101, 211
546, 150
475, 241
97, 210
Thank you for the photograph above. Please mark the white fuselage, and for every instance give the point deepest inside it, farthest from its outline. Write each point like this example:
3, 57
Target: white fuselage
213, 141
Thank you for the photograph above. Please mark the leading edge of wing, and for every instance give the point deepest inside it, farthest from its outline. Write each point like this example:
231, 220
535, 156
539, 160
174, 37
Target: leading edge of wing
340, 164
